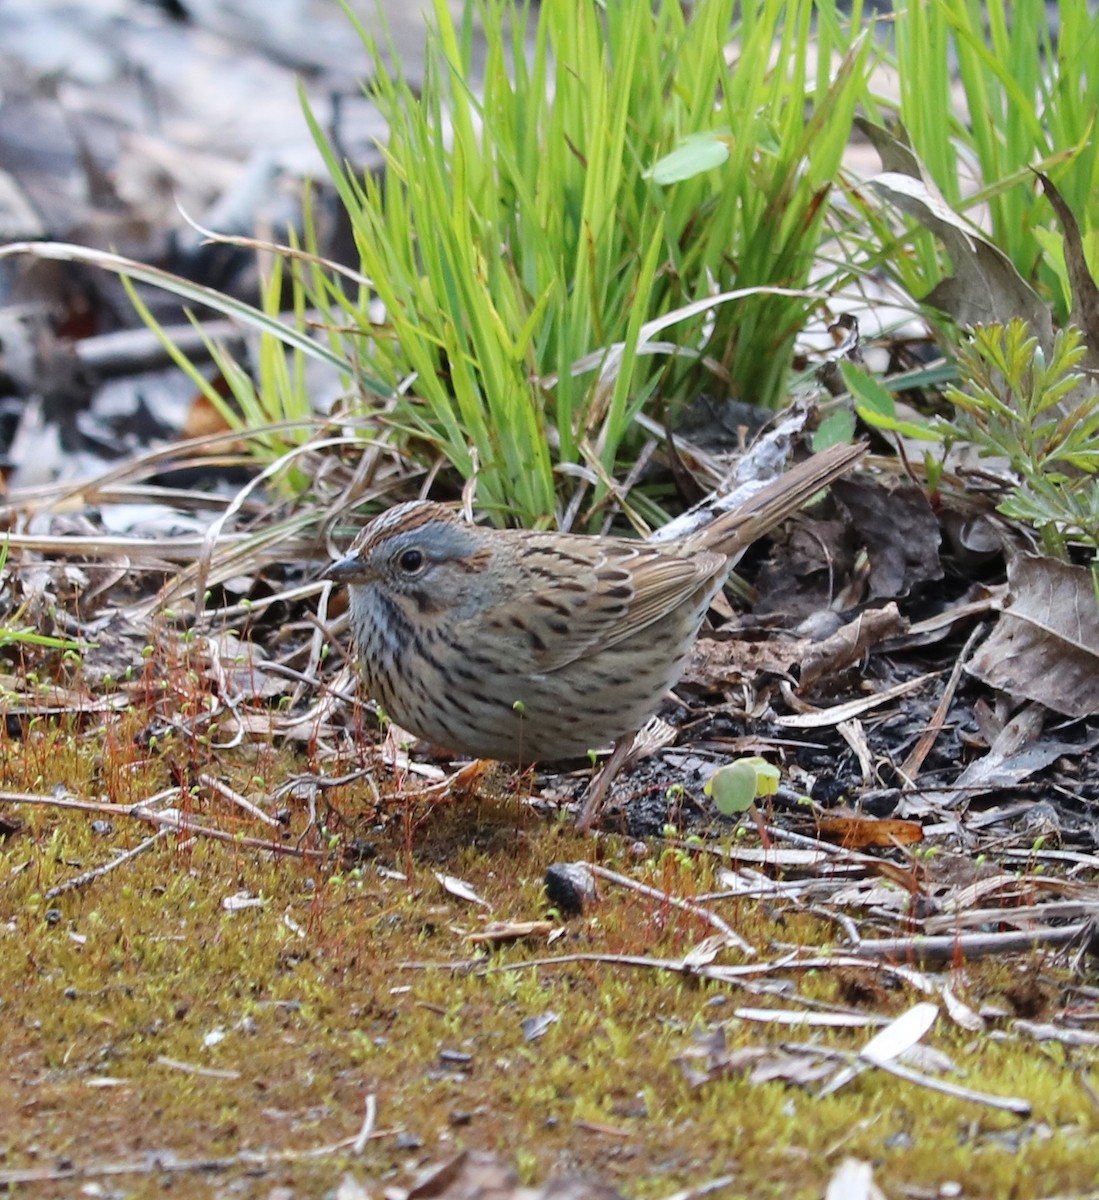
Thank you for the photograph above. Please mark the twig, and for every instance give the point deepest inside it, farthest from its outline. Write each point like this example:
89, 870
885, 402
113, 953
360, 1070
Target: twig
147, 552
166, 1163
1012, 1104
171, 819
946, 947
194, 1069
98, 872
902, 948
821, 718
367, 1131
1022, 914
180, 821
879, 866
675, 965
601, 1128
703, 1189
912, 764
227, 793
678, 966
644, 889
841, 919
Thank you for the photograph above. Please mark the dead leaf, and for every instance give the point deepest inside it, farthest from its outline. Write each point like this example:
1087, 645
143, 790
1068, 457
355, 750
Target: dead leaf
479, 1175
850, 643
985, 288
805, 570
511, 931
901, 1034
709, 1058
1016, 753
854, 734
204, 419
808, 1017
1048, 1032
960, 1012
460, 889
822, 718
349, 1188
238, 668
900, 532
1085, 293
1045, 646
467, 1174
790, 1067
731, 659
535, 1027
853, 1180
704, 953
855, 833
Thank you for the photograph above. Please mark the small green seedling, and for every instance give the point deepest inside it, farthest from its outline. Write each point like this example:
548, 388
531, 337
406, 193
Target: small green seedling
735, 787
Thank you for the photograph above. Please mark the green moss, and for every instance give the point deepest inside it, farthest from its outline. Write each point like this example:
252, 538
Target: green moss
290, 1013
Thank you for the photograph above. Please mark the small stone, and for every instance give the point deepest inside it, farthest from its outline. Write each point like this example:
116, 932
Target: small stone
570, 886
455, 1058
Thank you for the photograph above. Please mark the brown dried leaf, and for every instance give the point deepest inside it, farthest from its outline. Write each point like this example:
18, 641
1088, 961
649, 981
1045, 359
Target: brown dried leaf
985, 288
709, 1058
850, 642
856, 832
1085, 293
471, 1173
731, 660
1046, 644
900, 532
1016, 753
805, 570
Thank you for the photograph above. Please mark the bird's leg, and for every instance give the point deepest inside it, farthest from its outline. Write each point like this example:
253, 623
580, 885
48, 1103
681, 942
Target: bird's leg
597, 789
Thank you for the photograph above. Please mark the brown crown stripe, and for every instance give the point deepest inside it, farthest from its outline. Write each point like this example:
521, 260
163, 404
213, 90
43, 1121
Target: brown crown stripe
404, 518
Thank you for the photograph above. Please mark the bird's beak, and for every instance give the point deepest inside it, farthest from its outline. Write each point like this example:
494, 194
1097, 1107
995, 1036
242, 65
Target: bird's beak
349, 569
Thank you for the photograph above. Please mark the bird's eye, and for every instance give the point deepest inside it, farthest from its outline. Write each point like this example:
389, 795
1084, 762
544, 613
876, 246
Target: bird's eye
410, 561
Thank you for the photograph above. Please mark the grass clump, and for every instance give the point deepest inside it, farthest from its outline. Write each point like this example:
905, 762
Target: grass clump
522, 235
571, 182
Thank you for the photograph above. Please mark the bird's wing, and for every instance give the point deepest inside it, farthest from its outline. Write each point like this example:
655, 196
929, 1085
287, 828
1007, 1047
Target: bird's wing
571, 603
662, 582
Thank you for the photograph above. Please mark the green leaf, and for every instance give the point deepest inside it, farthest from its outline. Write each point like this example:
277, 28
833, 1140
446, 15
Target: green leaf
837, 429
736, 786
875, 404
693, 156
869, 394
767, 776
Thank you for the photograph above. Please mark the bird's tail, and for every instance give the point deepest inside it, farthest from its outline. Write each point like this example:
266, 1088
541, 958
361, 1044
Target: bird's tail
733, 532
